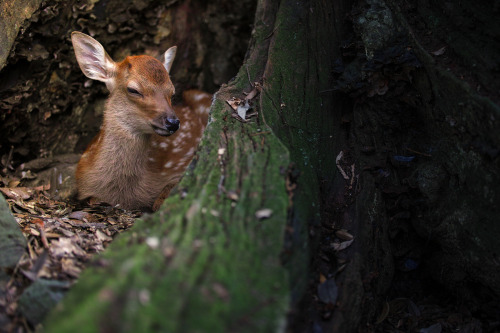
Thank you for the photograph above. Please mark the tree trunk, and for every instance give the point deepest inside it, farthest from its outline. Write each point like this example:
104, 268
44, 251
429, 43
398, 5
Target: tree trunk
364, 123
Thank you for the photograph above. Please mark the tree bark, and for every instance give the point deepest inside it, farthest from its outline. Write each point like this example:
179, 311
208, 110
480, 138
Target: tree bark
220, 235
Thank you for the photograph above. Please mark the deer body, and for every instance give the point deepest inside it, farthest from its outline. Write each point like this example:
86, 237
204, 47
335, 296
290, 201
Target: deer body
139, 153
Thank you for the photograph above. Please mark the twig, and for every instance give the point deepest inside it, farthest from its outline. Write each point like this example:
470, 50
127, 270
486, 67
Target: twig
417, 152
337, 162
272, 32
248, 75
352, 175
327, 90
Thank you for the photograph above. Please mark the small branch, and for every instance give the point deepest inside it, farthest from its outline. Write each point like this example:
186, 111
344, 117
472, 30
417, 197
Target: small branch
419, 153
248, 75
337, 162
272, 32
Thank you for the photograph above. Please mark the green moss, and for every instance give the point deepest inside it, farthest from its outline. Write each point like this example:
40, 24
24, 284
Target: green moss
12, 16
217, 265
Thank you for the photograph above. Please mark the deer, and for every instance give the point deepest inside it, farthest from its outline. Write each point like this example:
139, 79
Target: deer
144, 144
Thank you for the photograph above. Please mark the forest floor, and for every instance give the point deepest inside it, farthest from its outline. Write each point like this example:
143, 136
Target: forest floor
63, 235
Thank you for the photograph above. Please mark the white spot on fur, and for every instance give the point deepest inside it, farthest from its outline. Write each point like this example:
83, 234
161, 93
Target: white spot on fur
151, 159
198, 97
169, 164
163, 145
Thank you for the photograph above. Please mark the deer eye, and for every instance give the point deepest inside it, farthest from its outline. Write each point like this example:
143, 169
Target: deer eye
134, 92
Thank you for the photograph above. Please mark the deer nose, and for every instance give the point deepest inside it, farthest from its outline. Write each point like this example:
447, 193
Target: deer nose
172, 124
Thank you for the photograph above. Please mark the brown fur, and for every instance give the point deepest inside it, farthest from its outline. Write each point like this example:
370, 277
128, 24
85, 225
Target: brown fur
127, 163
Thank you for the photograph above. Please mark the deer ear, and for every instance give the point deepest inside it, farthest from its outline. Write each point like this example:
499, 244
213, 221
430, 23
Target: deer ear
169, 57
94, 62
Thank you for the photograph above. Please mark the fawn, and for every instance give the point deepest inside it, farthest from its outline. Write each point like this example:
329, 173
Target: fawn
144, 144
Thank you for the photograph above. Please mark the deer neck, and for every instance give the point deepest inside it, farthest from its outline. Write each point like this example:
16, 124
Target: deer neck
123, 148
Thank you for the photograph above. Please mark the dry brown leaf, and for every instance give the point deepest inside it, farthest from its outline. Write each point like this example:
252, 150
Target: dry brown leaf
64, 247
13, 183
102, 236
16, 192
69, 242
70, 267
34, 232
79, 215
234, 102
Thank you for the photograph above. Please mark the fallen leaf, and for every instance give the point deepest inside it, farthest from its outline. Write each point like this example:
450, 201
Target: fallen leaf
243, 109
38, 222
64, 247
232, 195
13, 183
263, 213
234, 102
16, 192
69, 266
383, 314
439, 51
252, 94
34, 232
102, 236
344, 235
79, 215
220, 291
342, 246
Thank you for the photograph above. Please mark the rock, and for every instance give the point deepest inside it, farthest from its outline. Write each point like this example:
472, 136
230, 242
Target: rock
39, 298
12, 16
12, 241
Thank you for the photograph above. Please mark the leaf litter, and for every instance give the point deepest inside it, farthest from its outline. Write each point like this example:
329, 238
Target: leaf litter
243, 106
62, 236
